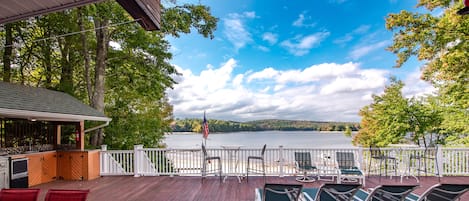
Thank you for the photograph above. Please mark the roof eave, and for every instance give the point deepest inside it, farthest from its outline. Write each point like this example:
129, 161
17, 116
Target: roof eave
48, 116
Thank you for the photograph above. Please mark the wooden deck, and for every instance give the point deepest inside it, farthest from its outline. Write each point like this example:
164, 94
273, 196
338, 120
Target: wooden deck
165, 188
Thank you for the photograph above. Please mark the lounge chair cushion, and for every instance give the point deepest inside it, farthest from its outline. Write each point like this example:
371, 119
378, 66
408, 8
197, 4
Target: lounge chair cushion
352, 171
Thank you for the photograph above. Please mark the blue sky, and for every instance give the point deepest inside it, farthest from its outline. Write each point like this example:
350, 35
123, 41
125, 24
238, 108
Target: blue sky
300, 60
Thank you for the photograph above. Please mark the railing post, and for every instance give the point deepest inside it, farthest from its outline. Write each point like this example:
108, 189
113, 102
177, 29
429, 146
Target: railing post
104, 159
439, 160
137, 160
360, 157
281, 160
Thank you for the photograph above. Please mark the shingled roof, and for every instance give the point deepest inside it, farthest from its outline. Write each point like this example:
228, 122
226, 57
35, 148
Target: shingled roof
25, 102
146, 12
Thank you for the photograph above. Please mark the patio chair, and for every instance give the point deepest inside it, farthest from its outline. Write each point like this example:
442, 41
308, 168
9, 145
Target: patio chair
443, 192
254, 169
385, 193
384, 160
66, 195
304, 165
348, 171
331, 192
19, 194
207, 160
279, 192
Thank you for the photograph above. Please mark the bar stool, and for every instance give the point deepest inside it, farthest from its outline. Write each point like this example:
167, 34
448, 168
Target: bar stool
428, 155
254, 169
207, 159
377, 154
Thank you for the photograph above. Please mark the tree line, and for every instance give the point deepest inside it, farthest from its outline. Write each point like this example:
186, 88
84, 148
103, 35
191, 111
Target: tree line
195, 125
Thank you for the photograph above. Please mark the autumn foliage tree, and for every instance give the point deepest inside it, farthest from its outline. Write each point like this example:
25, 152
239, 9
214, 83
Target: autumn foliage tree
385, 120
442, 42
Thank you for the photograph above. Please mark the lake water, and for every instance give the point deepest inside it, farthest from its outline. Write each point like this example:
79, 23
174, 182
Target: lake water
289, 139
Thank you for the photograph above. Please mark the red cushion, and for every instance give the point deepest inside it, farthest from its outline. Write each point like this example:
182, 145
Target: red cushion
19, 194
66, 195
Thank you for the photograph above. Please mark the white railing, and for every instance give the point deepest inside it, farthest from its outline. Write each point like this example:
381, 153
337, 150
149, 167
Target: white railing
279, 161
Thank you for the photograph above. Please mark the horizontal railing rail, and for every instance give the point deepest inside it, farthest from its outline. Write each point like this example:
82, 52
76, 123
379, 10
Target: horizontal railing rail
280, 161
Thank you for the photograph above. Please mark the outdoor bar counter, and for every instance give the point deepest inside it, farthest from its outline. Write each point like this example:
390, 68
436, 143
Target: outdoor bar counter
54, 165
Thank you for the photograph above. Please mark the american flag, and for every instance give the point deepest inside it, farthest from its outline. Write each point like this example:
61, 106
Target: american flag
205, 127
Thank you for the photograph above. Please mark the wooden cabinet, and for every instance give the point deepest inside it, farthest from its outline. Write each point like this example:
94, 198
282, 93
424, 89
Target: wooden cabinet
78, 165
45, 167
42, 167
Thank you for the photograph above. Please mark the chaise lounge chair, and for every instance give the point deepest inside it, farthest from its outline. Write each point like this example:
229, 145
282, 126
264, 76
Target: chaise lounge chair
385, 193
304, 165
279, 192
347, 168
331, 192
443, 192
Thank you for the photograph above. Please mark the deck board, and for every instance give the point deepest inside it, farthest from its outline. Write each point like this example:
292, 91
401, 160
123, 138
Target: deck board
128, 188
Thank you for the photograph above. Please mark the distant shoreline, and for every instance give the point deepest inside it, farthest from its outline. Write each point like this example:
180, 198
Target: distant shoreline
215, 133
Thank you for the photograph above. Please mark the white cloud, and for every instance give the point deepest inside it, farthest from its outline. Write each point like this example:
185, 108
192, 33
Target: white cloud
325, 92
251, 14
344, 39
270, 37
367, 79
235, 31
263, 48
337, 1
300, 22
416, 87
361, 51
300, 46
362, 29
264, 74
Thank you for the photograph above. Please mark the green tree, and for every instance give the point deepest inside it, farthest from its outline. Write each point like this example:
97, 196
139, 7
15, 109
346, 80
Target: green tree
348, 132
441, 41
385, 120
139, 75
424, 120
127, 83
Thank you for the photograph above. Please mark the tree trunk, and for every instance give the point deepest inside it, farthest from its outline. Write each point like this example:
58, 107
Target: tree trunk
86, 56
102, 43
47, 60
66, 78
7, 53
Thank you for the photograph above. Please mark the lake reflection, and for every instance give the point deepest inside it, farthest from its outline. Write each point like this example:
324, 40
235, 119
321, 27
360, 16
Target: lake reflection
289, 139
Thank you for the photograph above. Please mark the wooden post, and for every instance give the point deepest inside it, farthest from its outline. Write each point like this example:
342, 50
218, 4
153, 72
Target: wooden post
80, 140
59, 134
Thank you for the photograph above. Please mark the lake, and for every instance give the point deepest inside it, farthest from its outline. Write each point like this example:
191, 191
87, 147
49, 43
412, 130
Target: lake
289, 139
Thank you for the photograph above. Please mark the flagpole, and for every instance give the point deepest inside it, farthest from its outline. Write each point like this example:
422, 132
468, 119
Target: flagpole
205, 130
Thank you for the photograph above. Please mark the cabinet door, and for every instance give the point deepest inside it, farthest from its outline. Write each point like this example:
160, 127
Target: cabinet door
34, 169
49, 167
63, 165
77, 166
70, 165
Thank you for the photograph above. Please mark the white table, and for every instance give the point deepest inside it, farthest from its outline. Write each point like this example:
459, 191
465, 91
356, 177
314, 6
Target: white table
327, 169
232, 161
